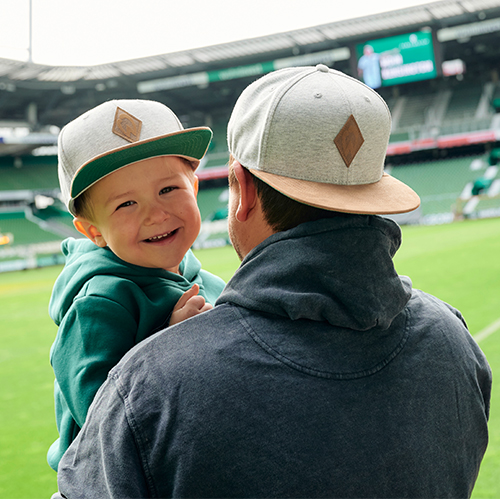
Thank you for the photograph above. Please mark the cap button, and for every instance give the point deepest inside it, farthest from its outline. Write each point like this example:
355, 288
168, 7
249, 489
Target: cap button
322, 68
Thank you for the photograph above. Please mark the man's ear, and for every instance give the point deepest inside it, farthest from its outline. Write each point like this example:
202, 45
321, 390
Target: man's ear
90, 231
248, 193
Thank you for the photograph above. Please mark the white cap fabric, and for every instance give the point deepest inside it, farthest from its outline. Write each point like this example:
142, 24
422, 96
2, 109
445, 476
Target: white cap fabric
319, 137
118, 133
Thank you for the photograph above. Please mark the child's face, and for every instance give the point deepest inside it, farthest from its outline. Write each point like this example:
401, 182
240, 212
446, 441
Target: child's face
146, 213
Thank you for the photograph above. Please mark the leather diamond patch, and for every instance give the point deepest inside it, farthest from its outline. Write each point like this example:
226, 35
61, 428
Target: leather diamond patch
127, 126
349, 140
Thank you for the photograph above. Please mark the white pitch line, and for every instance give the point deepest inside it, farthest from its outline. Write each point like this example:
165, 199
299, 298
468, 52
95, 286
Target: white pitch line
486, 332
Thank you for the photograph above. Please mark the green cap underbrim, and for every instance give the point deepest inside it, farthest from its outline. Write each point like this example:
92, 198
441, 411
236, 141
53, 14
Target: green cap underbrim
190, 143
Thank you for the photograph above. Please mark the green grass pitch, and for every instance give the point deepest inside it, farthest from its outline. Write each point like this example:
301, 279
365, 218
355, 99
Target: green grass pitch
460, 263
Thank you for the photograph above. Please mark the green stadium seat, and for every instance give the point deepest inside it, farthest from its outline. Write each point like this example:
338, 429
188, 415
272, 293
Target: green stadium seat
463, 103
35, 173
438, 183
25, 232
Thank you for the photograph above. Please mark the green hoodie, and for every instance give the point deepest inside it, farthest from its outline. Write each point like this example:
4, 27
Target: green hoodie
103, 307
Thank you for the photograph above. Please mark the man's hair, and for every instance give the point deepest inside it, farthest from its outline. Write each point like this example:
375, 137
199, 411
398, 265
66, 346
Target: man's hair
280, 211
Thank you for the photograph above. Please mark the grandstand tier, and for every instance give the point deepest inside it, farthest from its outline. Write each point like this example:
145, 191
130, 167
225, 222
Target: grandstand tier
438, 72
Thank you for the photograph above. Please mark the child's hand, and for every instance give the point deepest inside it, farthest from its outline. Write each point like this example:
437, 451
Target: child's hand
189, 305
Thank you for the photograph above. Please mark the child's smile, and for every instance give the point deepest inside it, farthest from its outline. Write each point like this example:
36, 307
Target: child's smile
160, 237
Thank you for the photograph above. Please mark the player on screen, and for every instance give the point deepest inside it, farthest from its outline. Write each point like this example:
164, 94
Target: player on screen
369, 67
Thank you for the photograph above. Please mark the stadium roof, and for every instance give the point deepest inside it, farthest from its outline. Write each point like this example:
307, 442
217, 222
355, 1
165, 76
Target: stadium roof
439, 14
37, 96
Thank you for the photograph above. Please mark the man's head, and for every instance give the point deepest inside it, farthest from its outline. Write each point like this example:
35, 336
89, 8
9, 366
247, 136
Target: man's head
280, 212
318, 137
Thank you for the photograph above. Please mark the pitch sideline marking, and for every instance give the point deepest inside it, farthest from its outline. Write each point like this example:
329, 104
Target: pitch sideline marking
486, 332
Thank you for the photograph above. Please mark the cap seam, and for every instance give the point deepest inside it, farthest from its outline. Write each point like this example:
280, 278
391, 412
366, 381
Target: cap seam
369, 89
270, 118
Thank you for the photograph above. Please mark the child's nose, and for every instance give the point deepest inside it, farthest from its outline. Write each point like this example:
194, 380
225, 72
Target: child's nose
156, 214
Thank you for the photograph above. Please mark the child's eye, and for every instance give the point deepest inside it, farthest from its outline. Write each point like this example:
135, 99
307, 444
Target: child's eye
167, 189
126, 204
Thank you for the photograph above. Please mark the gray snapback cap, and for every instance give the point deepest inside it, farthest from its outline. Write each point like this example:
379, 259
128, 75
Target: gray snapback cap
118, 133
320, 137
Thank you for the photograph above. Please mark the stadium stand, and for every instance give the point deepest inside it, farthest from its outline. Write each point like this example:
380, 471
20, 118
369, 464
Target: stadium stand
415, 110
439, 184
26, 232
463, 103
29, 172
445, 106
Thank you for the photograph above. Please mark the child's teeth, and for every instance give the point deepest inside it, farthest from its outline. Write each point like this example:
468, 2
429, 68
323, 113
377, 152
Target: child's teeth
159, 237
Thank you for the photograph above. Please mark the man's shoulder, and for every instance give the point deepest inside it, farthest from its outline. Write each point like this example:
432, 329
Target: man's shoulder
191, 357
426, 307
442, 328
192, 342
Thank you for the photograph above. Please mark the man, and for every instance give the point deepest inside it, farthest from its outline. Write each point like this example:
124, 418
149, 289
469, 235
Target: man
369, 67
320, 372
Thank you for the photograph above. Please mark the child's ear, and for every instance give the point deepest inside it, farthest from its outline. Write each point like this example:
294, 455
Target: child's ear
196, 185
90, 231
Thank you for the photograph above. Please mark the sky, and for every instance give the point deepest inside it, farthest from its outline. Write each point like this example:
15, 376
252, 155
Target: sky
89, 32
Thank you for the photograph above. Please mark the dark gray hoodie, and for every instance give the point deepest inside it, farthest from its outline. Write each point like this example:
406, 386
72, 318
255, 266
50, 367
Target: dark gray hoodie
320, 373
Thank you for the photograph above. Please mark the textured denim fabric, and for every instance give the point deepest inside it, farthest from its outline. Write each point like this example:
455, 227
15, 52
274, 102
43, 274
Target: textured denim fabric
319, 374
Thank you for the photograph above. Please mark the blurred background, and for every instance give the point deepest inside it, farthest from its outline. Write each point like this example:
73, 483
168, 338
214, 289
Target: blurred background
436, 65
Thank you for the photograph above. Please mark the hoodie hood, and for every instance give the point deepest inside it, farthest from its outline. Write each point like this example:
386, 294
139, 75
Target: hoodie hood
337, 270
85, 260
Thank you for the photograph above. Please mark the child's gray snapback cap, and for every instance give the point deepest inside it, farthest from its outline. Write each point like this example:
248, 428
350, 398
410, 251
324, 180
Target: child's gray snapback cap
319, 137
118, 133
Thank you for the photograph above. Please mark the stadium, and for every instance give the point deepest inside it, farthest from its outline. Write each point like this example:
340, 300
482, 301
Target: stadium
439, 77
437, 67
